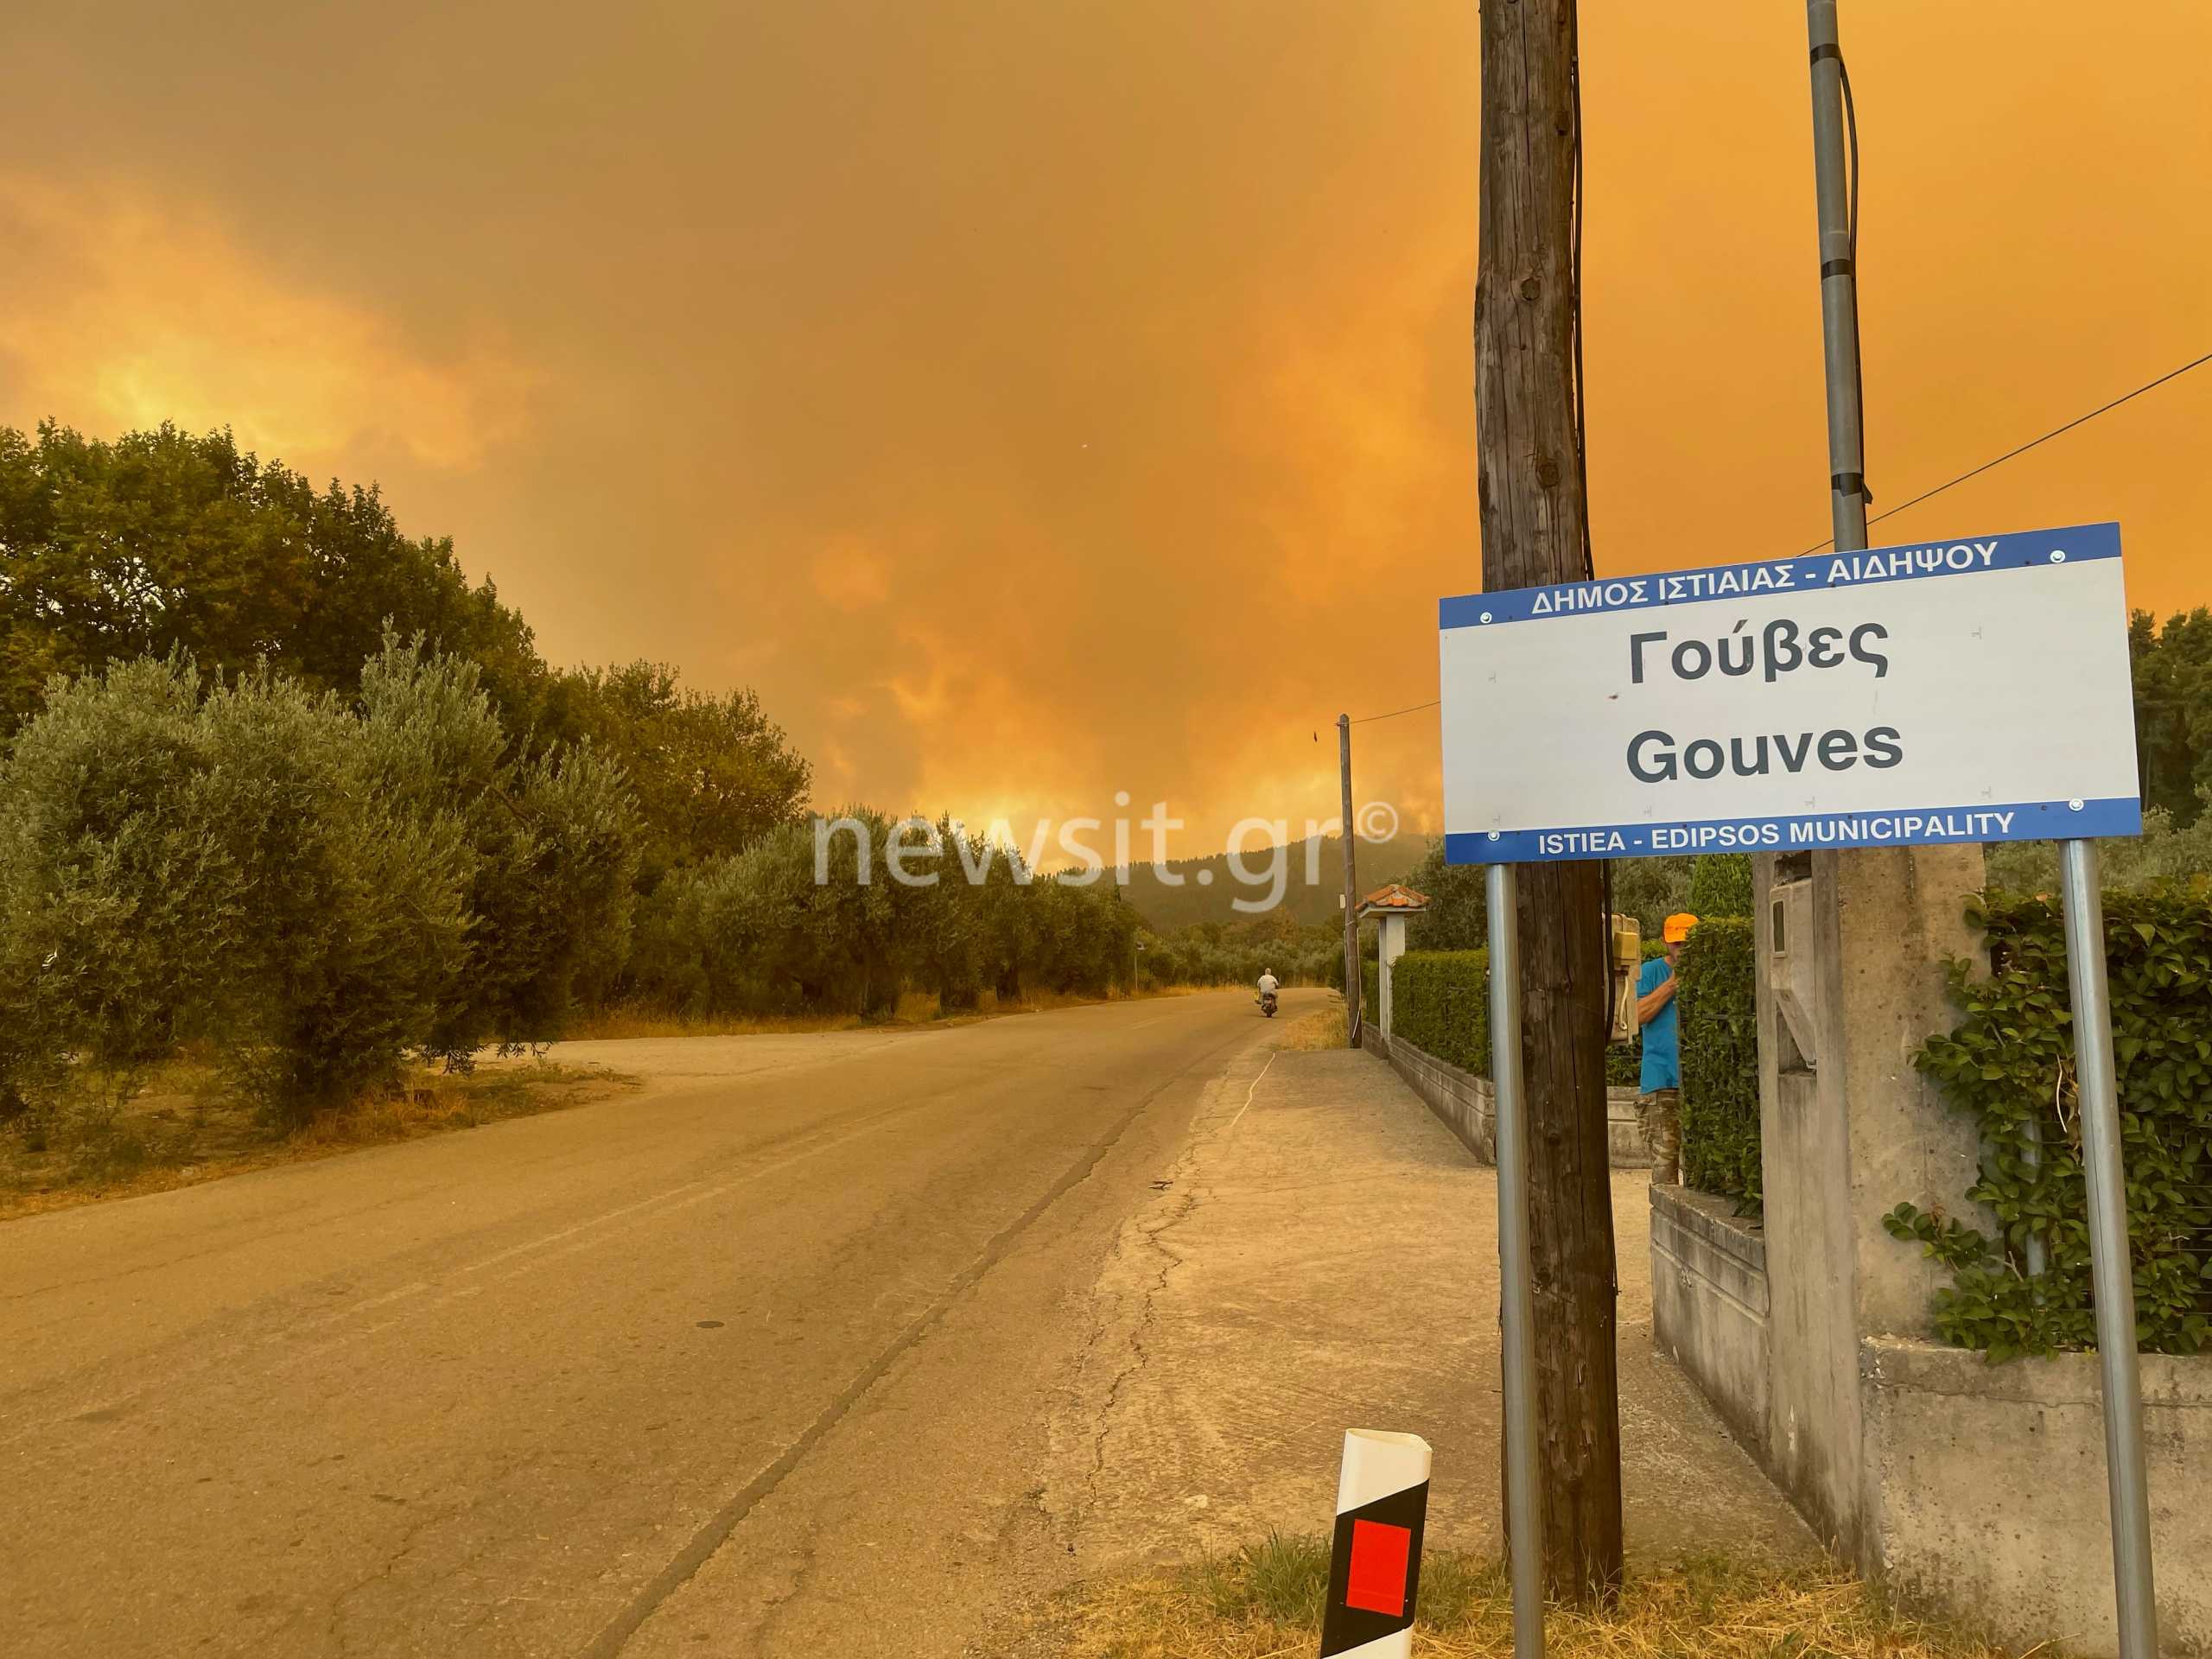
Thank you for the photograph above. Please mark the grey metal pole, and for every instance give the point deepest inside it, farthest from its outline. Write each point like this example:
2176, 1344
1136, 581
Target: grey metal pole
1351, 891
2111, 1267
1839, 282
1517, 1295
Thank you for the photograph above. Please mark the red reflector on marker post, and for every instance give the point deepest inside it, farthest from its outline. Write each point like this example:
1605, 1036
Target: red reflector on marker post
1376, 1583
1374, 1559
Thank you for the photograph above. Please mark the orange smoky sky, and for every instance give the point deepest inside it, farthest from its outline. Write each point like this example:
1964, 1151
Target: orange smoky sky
1039, 400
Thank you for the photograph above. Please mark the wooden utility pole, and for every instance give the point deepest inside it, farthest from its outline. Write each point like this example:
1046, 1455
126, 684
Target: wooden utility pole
1351, 891
1529, 486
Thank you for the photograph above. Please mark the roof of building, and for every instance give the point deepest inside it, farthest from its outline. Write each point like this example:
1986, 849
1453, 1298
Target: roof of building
1395, 897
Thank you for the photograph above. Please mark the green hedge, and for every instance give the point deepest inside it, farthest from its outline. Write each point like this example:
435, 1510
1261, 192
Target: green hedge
2009, 1066
1720, 1060
1439, 1003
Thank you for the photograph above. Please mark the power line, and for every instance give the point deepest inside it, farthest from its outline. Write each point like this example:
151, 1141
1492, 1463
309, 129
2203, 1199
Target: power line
1394, 713
2009, 454
2056, 431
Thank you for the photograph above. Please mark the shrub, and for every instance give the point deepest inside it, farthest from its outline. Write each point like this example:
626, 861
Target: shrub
2010, 1065
1624, 1065
547, 849
1719, 1026
1720, 884
114, 900
1439, 1003
348, 907
313, 890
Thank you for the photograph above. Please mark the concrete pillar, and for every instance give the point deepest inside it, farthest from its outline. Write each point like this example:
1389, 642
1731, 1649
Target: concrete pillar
1849, 1129
1389, 945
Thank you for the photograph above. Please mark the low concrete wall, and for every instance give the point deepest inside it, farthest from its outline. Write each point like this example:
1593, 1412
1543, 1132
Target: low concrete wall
1469, 1109
1709, 1305
1990, 1483
1982, 1494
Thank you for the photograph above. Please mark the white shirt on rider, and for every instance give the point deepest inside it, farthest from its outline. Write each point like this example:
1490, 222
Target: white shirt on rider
1267, 984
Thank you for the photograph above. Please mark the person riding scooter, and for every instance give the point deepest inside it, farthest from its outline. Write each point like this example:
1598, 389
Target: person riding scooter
1268, 985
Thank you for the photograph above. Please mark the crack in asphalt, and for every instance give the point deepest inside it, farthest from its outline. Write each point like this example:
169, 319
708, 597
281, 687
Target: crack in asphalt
1184, 1167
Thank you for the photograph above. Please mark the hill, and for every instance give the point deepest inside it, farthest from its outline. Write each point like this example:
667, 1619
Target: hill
1186, 891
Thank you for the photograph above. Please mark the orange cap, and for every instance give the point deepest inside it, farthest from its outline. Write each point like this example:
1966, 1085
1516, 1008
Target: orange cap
1678, 927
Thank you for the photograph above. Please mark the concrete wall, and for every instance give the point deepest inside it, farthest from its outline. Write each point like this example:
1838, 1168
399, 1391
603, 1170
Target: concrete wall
1848, 1131
1469, 1109
1990, 1482
1965, 1488
1984, 1495
1709, 1304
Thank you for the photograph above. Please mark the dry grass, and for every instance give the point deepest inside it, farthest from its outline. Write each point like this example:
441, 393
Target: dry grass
915, 1008
183, 1129
1265, 1603
1312, 1031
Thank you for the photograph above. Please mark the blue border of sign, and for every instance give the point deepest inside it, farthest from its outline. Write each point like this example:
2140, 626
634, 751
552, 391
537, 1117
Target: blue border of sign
1955, 556
1802, 831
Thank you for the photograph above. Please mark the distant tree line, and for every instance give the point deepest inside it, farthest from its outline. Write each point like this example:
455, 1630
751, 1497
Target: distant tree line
1237, 953
1303, 879
279, 784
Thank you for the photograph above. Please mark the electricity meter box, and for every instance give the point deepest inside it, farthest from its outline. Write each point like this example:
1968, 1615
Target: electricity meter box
1791, 971
1628, 957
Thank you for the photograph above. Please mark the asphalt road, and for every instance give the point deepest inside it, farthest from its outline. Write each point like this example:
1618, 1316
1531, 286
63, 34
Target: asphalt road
771, 1357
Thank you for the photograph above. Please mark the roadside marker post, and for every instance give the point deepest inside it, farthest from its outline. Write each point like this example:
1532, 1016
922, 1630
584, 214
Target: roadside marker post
1962, 691
1374, 1557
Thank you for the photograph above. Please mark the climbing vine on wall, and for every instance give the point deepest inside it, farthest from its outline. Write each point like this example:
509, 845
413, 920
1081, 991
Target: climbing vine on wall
2010, 1065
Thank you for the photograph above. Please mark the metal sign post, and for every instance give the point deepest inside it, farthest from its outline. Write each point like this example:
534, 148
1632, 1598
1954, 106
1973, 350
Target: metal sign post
2111, 1267
1796, 705
1517, 1296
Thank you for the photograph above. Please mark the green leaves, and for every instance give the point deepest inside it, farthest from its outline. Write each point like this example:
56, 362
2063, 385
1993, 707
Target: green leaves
2011, 1065
1720, 884
168, 541
757, 933
312, 889
1721, 1062
1439, 1003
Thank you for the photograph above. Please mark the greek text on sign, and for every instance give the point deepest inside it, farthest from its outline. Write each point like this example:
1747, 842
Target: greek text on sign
1974, 690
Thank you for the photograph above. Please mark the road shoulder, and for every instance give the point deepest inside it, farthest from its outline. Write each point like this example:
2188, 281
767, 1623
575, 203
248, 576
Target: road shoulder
1322, 1255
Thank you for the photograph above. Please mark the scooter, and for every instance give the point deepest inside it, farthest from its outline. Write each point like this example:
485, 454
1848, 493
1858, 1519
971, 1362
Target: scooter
1268, 1003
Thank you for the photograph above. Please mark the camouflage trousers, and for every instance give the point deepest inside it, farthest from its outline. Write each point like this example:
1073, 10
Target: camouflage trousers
1660, 1112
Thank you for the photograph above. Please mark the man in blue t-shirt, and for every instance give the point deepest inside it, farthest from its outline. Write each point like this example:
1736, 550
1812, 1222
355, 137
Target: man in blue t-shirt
1660, 1103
